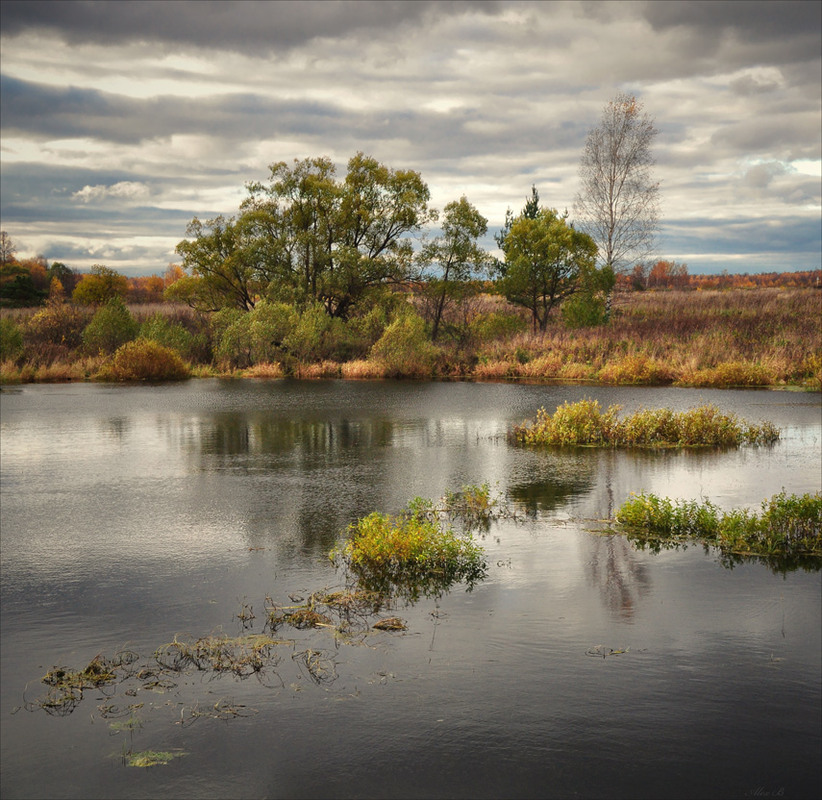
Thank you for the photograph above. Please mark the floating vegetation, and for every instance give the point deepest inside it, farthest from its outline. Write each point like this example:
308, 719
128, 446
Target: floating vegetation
150, 758
66, 686
788, 527
390, 624
584, 423
241, 655
222, 709
317, 665
601, 651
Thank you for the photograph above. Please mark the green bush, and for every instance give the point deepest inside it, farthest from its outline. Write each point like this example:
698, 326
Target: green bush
404, 348
11, 340
306, 341
270, 325
159, 328
144, 360
584, 311
111, 327
492, 326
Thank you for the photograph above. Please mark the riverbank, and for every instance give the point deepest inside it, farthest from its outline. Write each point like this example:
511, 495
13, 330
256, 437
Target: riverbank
733, 338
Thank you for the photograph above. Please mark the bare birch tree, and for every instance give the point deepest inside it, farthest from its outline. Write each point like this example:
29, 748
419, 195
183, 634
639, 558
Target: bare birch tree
618, 201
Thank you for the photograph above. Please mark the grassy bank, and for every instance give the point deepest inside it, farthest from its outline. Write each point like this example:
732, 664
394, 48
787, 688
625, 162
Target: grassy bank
742, 337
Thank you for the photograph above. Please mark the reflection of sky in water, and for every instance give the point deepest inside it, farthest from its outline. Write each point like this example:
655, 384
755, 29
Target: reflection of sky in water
131, 514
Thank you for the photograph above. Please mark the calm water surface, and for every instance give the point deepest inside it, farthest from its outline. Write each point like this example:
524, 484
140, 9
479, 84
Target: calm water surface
131, 515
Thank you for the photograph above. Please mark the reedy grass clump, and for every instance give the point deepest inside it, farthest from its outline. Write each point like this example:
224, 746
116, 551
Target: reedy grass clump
789, 526
417, 552
585, 423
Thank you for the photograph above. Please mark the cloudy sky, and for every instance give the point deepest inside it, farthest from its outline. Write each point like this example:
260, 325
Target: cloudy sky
123, 120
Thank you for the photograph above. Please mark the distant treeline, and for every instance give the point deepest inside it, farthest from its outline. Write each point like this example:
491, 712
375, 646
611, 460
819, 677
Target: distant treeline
26, 283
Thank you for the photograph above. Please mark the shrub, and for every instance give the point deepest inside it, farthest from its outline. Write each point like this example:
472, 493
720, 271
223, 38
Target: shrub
234, 339
494, 325
269, 326
307, 338
144, 360
404, 349
111, 327
11, 340
159, 328
58, 323
409, 555
584, 311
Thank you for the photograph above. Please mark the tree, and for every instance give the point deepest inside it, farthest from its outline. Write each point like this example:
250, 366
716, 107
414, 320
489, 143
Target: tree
99, 286
618, 201
546, 261
530, 211
306, 237
456, 258
7, 249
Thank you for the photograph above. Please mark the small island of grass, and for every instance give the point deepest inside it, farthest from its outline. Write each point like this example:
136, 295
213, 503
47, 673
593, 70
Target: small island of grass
788, 527
585, 423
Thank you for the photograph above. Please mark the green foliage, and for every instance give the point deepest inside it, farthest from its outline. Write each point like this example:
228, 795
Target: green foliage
455, 258
100, 286
546, 261
311, 337
159, 328
11, 340
409, 554
144, 360
494, 325
788, 525
111, 326
584, 423
404, 349
306, 237
584, 311
235, 346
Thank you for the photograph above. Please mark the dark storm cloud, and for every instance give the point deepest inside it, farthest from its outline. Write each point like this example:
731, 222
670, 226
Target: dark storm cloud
232, 25
788, 21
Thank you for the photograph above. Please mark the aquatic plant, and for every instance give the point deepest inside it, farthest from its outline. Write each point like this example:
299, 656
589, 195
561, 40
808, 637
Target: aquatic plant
789, 526
585, 423
411, 554
150, 758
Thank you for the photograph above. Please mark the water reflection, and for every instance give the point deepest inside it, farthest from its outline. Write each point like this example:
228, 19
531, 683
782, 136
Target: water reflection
613, 567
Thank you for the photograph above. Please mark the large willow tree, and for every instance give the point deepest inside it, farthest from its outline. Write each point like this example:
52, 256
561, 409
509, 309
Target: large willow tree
305, 236
618, 200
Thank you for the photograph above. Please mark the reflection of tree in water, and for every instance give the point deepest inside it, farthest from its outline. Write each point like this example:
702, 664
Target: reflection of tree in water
309, 478
551, 479
612, 563
613, 567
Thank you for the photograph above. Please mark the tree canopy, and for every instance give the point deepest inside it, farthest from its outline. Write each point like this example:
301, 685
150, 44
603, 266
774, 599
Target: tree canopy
305, 236
546, 261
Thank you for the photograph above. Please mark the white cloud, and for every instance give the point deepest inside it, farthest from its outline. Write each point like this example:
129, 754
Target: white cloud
124, 190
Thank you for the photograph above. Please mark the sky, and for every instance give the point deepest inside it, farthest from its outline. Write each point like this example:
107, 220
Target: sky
121, 121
